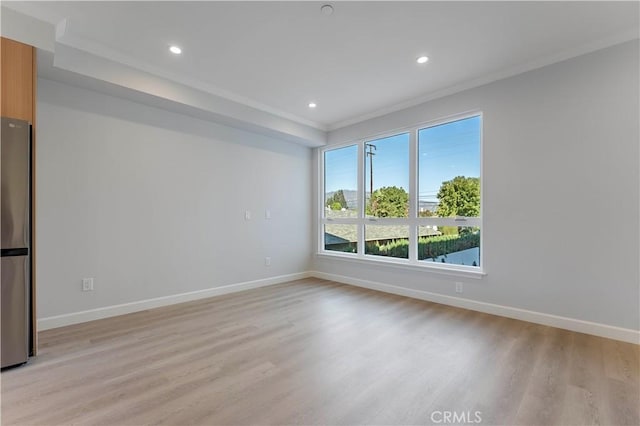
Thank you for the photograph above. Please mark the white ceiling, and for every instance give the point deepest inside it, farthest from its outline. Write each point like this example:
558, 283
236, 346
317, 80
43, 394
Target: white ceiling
356, 63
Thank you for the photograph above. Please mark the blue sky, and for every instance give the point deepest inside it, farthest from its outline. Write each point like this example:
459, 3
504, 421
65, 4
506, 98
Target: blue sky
445, 151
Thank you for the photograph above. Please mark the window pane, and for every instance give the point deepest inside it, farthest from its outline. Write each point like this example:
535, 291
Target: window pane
387, 176
458, 245
341, 238
341, 182
391, 241
449, 169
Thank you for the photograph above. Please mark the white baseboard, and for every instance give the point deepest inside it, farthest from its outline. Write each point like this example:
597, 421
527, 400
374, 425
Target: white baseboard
142, 305
596, 329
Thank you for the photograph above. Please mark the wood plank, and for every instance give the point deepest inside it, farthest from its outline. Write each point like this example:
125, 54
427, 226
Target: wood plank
544, 397
17, 80
317, 352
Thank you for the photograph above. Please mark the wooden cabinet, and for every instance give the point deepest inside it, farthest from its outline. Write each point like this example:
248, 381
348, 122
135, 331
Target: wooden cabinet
18, 100
18, 80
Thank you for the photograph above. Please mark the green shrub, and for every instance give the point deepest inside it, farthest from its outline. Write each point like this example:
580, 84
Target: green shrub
395, 248
449, 230
432, 247
428, 247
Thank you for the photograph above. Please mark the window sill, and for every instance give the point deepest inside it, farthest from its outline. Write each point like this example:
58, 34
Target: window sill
435, 268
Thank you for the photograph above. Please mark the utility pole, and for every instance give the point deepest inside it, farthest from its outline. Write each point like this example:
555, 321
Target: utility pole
371, 147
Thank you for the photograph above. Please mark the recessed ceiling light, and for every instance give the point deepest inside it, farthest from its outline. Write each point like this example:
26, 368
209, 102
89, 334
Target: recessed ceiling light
175, 50
312, 105
326, 9
422, 60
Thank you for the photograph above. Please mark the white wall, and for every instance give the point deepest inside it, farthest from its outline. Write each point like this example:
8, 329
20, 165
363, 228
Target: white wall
561, 190
152, 203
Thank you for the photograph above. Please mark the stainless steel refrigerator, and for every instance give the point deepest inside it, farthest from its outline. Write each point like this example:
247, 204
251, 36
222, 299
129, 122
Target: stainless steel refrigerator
15, 234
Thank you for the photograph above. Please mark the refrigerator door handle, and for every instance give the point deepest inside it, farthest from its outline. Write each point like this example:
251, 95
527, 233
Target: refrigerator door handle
25, 228
27, 200
27, 299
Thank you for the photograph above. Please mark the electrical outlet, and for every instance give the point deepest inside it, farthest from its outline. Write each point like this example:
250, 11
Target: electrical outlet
267, 261
459, 287
87, 284
247, 215
267, 214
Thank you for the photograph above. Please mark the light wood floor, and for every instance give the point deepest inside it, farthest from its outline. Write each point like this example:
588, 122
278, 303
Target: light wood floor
317, 352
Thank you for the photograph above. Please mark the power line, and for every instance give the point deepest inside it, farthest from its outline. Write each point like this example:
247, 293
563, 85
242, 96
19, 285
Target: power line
370, 154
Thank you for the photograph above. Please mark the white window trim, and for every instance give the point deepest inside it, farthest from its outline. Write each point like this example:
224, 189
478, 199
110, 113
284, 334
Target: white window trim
435, 268
413, 221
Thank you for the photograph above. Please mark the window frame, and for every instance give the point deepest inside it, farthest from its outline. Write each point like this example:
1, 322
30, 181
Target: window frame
413, 220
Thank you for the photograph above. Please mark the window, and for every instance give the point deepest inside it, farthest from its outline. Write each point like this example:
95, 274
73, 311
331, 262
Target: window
411, 197
341, 199
387, 177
